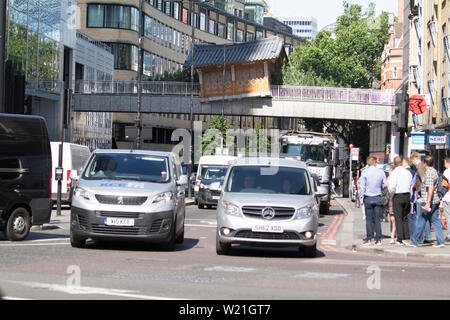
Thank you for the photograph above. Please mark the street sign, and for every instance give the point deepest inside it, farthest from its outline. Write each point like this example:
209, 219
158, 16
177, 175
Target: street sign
355, 154
417, 104
436, 138
418, 141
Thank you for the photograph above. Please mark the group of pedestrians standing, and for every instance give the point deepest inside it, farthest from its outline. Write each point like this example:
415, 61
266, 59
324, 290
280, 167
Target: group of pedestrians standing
414, 200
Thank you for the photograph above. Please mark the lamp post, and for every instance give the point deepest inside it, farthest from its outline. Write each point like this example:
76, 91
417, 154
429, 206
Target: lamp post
3, 19
138, 120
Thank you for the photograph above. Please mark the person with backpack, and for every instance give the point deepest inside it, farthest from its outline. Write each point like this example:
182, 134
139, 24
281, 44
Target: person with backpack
428, 206
445, 202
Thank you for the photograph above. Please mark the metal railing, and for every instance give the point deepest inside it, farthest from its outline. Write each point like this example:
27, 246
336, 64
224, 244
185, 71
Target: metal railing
130, 87
328, 94
340, 95
48, 86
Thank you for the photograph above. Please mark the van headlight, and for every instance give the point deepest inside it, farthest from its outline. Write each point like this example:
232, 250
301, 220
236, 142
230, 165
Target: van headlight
231, 209
306, 212
80, 192
165, 196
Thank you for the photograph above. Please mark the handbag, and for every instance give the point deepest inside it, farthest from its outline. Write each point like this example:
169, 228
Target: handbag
444, 223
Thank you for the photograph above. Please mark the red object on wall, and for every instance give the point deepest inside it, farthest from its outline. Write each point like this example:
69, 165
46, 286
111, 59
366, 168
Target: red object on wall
417, 104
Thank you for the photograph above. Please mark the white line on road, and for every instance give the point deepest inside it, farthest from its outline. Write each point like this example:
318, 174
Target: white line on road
81, 290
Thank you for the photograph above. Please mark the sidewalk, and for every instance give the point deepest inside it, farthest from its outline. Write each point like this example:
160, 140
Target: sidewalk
353, 231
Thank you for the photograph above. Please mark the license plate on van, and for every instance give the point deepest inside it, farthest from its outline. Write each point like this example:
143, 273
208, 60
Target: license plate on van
266, 228
124, 222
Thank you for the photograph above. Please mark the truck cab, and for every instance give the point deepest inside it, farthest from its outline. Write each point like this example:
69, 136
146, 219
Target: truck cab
317, 151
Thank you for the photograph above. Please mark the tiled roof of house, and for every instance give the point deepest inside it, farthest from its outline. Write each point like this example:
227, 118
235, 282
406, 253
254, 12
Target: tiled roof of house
258, 50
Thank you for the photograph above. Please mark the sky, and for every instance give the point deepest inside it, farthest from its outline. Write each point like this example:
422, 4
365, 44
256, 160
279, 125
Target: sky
325, 11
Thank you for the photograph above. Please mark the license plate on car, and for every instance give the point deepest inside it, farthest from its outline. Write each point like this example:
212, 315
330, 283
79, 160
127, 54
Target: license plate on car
124, 222
215, 197
265, 228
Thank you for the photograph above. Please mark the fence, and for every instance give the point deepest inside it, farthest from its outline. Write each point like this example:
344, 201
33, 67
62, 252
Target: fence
131, 87
345, 95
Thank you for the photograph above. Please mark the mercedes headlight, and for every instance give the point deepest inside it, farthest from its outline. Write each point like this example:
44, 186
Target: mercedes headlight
231, 209
80, 192
166, 197
306, 212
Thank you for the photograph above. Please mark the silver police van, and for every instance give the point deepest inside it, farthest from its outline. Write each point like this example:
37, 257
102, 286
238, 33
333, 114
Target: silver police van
129, 195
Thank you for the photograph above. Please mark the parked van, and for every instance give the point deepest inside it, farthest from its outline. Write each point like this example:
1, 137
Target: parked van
75, 157
129, 195
204, 163
25, 174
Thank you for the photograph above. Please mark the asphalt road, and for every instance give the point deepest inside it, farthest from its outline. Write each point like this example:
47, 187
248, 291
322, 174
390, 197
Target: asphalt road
45, 267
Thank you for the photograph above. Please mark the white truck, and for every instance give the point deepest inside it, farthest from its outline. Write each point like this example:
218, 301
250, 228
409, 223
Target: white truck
318, 151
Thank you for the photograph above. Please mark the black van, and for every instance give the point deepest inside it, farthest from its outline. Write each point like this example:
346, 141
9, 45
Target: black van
25, 174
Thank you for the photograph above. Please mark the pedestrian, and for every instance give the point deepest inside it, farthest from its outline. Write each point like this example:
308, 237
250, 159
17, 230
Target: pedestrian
416, 160
407, 164
446, 199
391, 209
428, 206
400, 182
372, 182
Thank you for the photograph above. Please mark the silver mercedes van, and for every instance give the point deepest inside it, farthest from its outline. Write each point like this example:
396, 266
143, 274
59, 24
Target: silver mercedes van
129, 195
268, 202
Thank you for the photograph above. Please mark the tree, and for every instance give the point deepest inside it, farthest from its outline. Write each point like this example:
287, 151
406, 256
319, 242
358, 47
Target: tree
351, 59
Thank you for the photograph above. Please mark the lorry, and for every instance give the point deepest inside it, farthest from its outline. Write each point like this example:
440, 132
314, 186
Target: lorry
317, 150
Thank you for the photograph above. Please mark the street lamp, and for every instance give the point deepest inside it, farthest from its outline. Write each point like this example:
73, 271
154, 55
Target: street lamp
191, 120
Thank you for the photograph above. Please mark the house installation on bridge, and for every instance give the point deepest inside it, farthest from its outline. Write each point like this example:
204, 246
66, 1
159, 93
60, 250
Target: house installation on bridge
248, 69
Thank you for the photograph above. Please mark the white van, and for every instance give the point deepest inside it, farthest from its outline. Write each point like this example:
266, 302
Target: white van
203, 164
74, 158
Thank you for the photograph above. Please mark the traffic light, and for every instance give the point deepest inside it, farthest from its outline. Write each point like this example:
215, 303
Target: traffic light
400, 117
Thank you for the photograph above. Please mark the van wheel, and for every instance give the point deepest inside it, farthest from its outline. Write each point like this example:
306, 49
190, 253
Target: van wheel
18, 225
222, 248
180, 238
170, 244
309, 251
201, 206
77, 242
324, 208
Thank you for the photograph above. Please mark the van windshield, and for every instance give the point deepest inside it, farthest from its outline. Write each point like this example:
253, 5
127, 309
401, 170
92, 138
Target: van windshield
117, 166
286, 180
215, 172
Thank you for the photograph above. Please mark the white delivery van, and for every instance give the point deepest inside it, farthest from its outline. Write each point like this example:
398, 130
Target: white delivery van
204, 163
75, 157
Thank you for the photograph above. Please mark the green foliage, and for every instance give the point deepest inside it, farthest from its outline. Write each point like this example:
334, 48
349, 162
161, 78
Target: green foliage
351, 58
213, 136
35, 57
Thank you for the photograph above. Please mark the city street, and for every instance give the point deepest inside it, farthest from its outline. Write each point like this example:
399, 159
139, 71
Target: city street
45, 266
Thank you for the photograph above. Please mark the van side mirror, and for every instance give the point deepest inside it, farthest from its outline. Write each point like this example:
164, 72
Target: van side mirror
183, 180
74, 175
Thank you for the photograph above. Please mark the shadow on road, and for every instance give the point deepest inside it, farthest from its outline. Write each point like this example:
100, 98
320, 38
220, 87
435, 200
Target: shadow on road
38, 236
188, 243
267, 252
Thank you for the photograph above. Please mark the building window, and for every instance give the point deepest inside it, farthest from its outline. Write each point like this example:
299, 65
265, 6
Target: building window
176, 10
230, 31
126, 56
203, 21
168, 8
95, 15
239, 36
113, 16
221, 30
212, 27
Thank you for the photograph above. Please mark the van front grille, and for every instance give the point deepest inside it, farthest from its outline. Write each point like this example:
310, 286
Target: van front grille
134, 231
121, 200
248, 234
281, 213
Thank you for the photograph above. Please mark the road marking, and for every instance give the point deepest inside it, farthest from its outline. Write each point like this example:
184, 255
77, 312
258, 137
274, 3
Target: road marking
200, 225
33, 244
229, 269
81, 290
322, 275
331, 235
328, 242
329, 227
